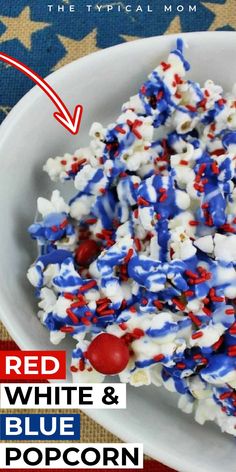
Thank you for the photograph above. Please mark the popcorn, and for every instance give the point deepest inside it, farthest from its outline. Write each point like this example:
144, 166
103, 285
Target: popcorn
143, 257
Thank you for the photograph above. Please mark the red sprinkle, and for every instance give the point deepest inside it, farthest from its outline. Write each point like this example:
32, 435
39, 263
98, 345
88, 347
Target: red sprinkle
133, 309
133, 127
214, 297
197, 335
206, 300
221, 102
78, 304
103, 300
202, 169
197, 357
138, 333
158, 304
227, 228
165, 66
178, 79
142, 201
202, 103
88, 286
136, 133
204, 360
85, 321
188, 293
108, 312
69, 296
128, 256
229, 311
163, 197
67, 329
81, 365
178, 95
75, 167
102, 190
232, 348
232, 352
215, 168
160, 95
218, 152
194, 319
200, 280
120, 130
123, 326
209, 220
72, 316
217, 299
218, 343
181, 365
193, 223
225, 395
123, 174
178, 303
137, 243
191, 108
88, 313
102, 307
63, 224
144, 301
207, 311
198, 187
91, 221
191, 274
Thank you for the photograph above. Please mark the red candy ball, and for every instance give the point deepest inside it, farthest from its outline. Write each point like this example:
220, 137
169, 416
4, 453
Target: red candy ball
87, 252
108, 354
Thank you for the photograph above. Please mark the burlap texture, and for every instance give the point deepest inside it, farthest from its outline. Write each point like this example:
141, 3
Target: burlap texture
4, 336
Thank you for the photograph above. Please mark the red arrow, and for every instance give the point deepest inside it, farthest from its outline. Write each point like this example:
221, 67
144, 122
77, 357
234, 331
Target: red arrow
71, 123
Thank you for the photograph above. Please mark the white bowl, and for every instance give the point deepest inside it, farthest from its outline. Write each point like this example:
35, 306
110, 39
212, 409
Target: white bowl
28, 136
